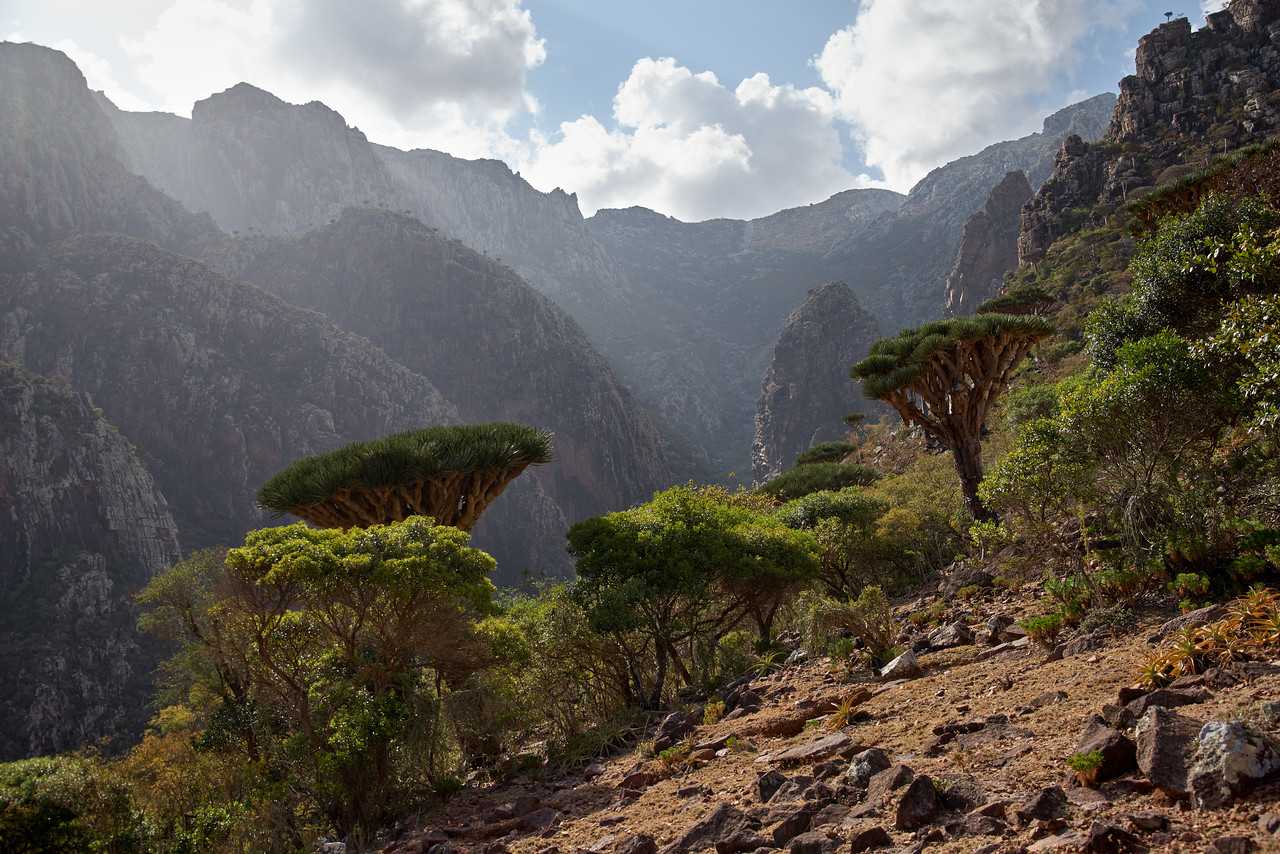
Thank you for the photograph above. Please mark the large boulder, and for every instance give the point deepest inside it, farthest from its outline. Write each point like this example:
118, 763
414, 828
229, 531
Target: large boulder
918, 805
1119, 754
1230, 760
1165, 741
905, 666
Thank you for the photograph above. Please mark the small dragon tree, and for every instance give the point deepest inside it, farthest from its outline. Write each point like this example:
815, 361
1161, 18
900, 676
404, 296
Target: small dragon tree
945, 376
448, 473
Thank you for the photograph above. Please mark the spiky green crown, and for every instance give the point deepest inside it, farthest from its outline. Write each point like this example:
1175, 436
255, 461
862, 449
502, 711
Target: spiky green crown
405, 458
1021, 300
898, 361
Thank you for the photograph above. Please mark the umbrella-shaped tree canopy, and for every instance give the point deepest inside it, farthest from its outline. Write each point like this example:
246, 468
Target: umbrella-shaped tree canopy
448, 473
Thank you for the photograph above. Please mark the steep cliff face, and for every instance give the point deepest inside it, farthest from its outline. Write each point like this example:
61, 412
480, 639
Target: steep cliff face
807, 390
726, 287
988, 246
216, 383
923, 240
83, 526
1196, 92
61, 168
494, 346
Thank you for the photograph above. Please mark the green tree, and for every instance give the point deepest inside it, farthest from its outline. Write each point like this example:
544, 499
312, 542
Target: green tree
946, 376
451, 474
332, 653
671, 577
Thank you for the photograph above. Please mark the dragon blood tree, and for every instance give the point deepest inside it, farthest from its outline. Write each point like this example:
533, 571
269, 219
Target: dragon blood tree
448, 473
945, 377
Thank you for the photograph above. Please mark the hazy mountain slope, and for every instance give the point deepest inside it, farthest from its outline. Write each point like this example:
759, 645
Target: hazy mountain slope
807, 390
494, 346
83, 526
217, 383
60, 166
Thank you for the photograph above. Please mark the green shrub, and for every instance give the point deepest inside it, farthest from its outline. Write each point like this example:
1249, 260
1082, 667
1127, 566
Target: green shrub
827, 452
869, 619
1043, 629
817, 477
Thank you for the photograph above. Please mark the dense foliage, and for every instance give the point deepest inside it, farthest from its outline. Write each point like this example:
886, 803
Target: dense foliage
816, 477
449, 473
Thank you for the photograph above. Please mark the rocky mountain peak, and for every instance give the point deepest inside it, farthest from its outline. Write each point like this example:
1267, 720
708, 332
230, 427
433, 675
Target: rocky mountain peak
989, 245
807, 390
1194, 93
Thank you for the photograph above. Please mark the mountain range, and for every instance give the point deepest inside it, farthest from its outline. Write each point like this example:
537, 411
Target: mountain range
189, 305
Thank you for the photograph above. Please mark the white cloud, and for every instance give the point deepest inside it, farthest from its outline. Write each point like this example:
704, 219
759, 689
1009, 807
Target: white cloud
926, 81
689, 146
1211, 6
440, 73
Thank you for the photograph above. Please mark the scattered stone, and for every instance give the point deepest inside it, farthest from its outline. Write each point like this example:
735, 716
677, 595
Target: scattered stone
1009, 646
794, 824
1109, 839
975, 824
1189, 620
768, 784
1119, 754
1129, 693
1168, 698
866, 765
1165, 741
1149, 822
1231, 845
692, 790
1269, 823
887, 781
721, 823
674, 727
1230, 760
1069, 841
638, 844
810, 752
905, 666
917, 806
1047, 804
704, 755
871, 839
742, 841
638, 780
950, 635
812, 843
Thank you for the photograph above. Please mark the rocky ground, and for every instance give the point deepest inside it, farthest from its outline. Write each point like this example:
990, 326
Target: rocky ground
961, 747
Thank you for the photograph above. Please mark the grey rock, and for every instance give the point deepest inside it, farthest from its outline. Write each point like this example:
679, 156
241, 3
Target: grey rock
807, 390
865, 765
951, 635
722, 823
905, 666
768, 784
1165, 741
917, 805
871, 839
988, 246
1230, 759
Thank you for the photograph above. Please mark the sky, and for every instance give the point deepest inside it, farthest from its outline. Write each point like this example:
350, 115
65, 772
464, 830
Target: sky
695, 108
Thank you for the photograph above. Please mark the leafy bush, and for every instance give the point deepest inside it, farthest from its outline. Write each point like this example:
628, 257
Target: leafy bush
1043, 629
867, 619
817, 477
826, 452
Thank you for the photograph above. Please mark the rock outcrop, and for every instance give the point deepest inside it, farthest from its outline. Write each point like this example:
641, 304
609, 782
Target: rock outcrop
988, 246
1195, 93
83, 526
807, 390
494, 346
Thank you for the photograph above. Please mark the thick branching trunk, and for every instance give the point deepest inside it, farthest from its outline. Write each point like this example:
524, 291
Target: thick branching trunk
967, 455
